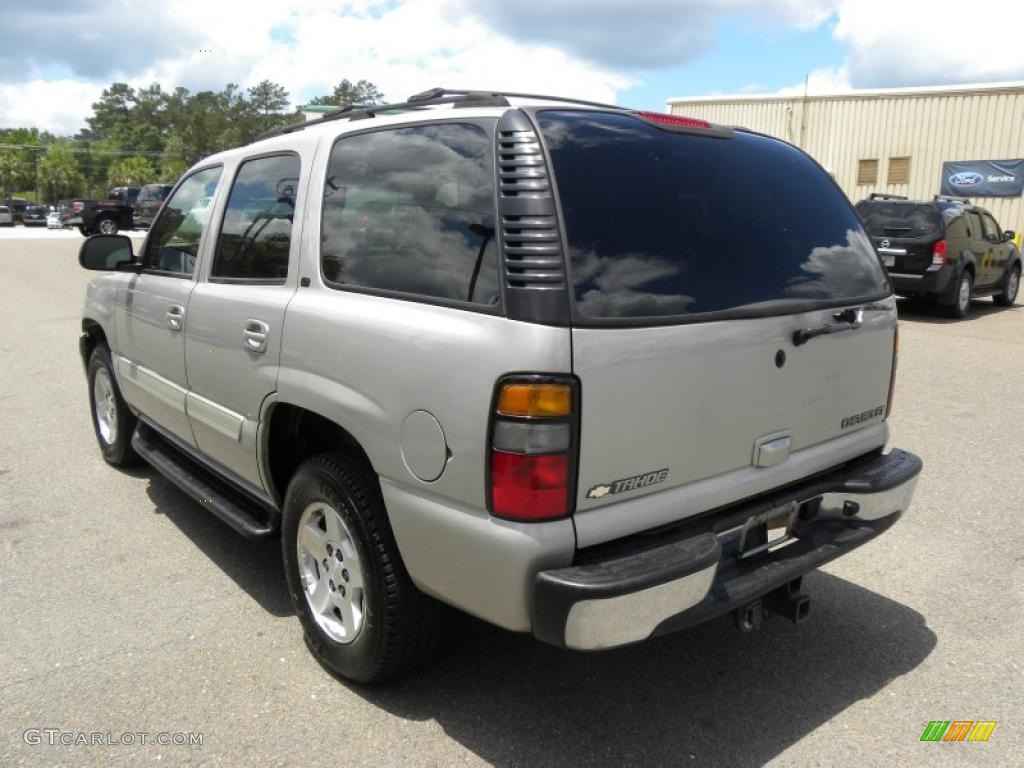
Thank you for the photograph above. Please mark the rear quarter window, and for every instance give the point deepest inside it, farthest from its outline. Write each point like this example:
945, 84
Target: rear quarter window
662, 224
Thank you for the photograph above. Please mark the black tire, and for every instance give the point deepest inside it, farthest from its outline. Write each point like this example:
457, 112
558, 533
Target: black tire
106, 226
1009, 294
400, 625
960, 307
82, 230
115, 444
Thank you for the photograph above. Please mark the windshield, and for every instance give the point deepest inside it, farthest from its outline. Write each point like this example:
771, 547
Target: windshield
885, 218
664, 224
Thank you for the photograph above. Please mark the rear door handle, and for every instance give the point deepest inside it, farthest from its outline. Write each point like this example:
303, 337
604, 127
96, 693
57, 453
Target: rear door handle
175, 316
255, 335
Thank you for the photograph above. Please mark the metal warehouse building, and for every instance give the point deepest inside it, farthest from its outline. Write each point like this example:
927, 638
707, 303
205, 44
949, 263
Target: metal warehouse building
896, 141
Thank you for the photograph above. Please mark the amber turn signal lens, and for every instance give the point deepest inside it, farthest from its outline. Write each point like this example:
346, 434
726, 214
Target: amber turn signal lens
535, 400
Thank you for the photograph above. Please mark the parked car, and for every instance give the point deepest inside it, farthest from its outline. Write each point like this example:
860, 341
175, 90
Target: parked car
509, 366
17, 206
150, 198
97, 216
6, 216
944, 249
34, 216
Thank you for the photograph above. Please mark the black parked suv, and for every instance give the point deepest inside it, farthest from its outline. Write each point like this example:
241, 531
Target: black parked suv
945, 248
34, 216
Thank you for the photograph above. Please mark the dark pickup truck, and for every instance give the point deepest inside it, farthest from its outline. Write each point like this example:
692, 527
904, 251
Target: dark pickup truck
105, 217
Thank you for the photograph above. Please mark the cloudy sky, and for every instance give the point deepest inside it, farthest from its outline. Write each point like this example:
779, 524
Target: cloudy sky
56, 55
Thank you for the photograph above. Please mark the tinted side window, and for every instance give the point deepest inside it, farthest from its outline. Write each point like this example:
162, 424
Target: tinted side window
991, 228
173, 242
956, 227
663, 224
412, 210
974, 222
257, 229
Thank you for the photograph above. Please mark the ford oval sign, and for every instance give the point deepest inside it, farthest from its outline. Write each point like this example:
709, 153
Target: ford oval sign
966, 179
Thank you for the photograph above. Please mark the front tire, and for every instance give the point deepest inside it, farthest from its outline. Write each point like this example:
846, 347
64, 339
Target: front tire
106, 226
1009, 294
112, 419
362, 616
962, 300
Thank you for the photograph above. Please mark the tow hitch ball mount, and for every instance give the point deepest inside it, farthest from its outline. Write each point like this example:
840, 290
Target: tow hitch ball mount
786, 601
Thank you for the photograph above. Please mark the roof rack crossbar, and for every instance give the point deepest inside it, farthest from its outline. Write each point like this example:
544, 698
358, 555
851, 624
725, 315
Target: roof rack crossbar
436, 92
884, 196
425, 99
952, 199
430, 97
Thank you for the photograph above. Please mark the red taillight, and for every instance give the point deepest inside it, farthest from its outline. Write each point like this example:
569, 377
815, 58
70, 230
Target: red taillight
532, 444
529, 487
939, 253
683, 122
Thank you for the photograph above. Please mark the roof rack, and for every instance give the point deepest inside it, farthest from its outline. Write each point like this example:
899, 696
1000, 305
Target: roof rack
429, 98
883, 196
951, 199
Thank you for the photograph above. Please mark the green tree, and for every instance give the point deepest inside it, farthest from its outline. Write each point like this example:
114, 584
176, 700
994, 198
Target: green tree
172, 161
112, 115
59, 173
11, 172
347, 92
130, 172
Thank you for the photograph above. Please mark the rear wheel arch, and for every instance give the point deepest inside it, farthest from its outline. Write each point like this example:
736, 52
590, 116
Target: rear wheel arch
294, 434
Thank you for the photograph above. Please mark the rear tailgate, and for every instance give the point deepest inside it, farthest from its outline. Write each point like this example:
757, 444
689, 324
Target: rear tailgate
694, 262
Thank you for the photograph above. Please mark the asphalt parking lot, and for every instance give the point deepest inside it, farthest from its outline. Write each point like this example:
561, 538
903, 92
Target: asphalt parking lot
127, 610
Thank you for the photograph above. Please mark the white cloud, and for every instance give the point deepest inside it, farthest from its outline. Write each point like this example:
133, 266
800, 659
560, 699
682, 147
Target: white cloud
826, 80
402, 48
54, 105
585, 48
929, 42
639, 33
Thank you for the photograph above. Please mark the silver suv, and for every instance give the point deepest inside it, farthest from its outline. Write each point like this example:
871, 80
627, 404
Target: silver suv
581, 371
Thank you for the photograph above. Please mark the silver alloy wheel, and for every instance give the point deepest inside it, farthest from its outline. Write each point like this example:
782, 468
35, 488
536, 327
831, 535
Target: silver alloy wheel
331, 572
965, 293
1012, 285
105, 405
108, 227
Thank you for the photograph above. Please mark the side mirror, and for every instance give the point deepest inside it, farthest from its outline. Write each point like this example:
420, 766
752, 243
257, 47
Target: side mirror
108, 252
1008, 235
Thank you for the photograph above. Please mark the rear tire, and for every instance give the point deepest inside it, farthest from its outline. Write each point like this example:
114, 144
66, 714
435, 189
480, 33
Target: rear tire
112, 419
82, 230
962, 299
1009, 295
368, 623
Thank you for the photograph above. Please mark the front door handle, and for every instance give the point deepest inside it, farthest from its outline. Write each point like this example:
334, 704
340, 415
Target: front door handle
175, 316
255, 335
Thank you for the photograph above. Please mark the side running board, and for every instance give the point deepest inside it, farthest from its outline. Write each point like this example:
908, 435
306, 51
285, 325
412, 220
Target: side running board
214, 494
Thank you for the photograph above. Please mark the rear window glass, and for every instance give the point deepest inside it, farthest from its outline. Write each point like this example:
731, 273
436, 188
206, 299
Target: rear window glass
668, 224
889, 219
